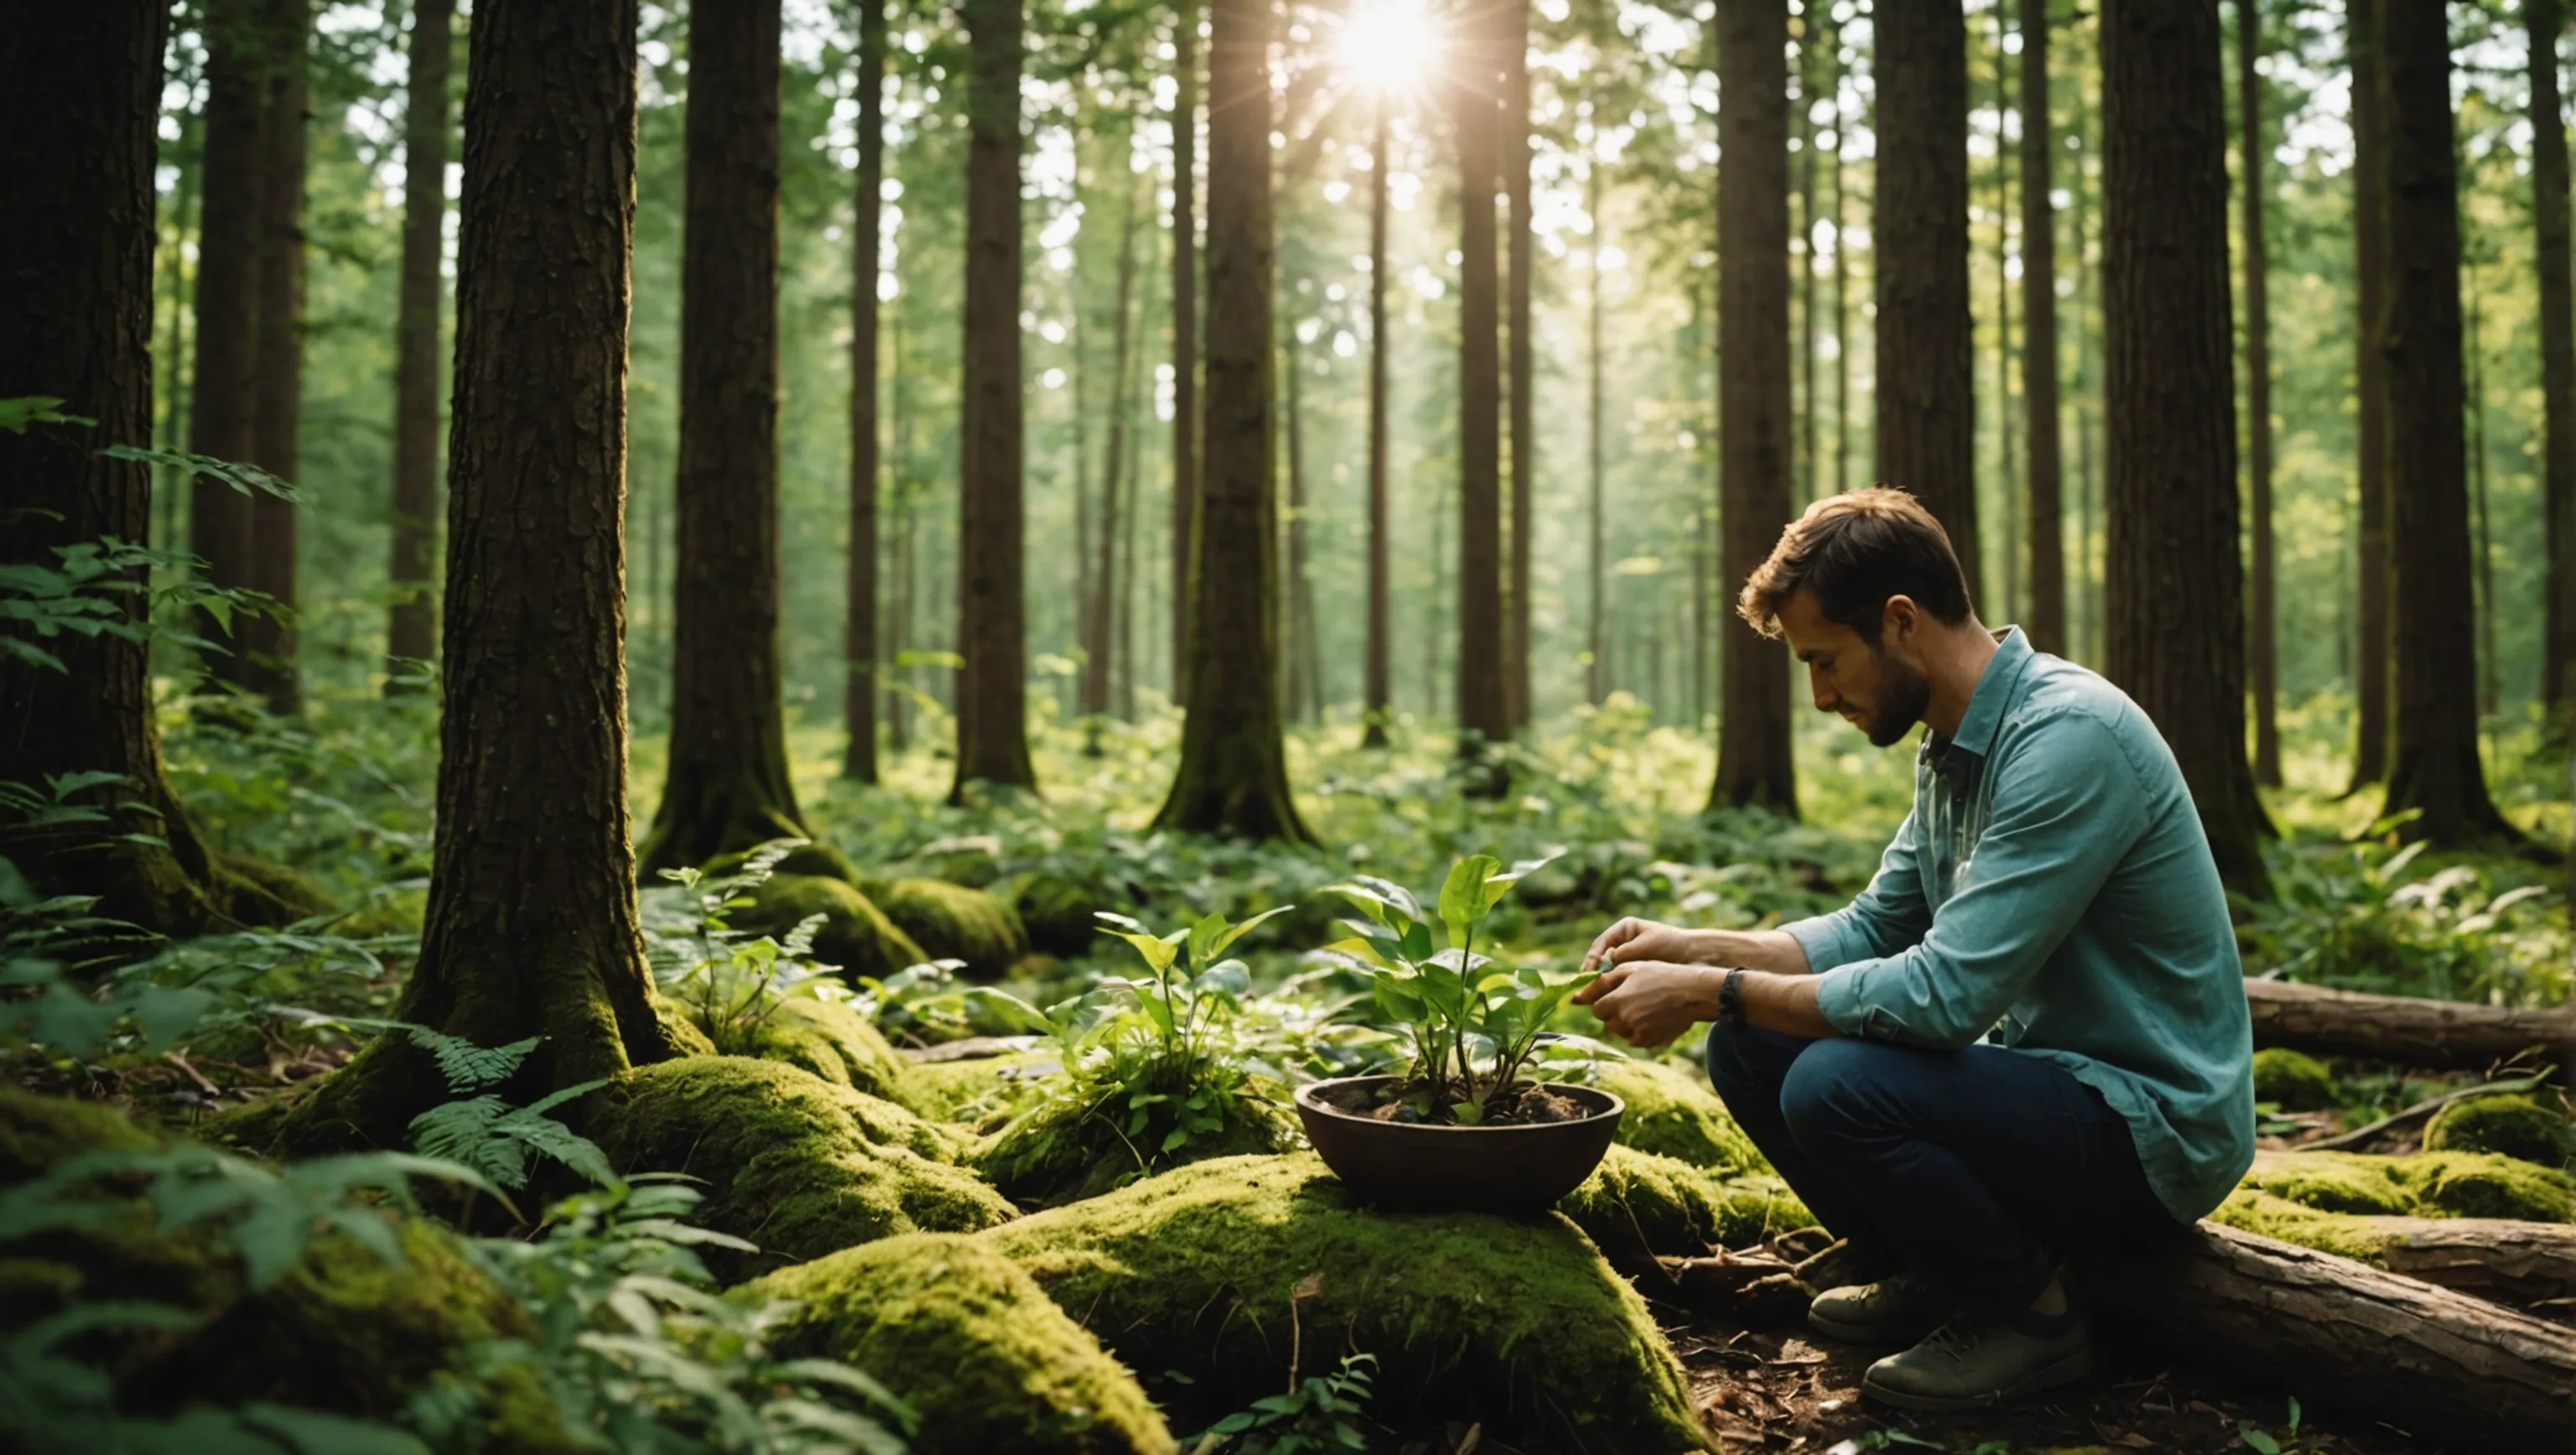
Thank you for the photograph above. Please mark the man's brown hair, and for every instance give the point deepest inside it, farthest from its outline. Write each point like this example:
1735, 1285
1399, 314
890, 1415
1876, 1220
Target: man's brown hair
1854, 551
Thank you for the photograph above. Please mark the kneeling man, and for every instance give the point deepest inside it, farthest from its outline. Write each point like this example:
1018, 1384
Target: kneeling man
2027, 1038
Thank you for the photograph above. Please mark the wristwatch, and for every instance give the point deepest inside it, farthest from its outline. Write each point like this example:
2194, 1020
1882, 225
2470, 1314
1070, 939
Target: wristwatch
1730, 997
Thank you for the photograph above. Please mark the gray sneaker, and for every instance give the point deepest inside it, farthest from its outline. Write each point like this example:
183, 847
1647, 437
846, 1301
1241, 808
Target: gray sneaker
1898, 1309
1969, 1363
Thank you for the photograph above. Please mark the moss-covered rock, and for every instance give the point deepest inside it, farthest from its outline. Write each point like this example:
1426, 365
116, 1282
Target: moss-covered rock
2292, 1080
966, 1338
833, 1041
952, 922
1057, 1153
1637, 1206
2510, 1126
811, 859
980, 1091
794, 1163
1056, 910
1672, 1112
856, 935
2428, 1184
1517, 1323
343, 1331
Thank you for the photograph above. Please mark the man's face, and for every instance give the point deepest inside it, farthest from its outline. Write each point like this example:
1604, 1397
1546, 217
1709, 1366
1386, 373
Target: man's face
1878, 689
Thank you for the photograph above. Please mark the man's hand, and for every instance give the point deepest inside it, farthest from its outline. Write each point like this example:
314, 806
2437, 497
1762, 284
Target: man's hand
1651, 1002
1633, 939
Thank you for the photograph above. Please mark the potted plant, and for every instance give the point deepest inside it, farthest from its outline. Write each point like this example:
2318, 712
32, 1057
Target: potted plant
1463, 1127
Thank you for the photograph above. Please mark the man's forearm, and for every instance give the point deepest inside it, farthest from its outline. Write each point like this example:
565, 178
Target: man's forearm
1773, 951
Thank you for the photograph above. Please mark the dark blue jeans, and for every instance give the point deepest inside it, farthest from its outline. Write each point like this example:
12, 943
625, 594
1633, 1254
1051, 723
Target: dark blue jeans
1977, 1169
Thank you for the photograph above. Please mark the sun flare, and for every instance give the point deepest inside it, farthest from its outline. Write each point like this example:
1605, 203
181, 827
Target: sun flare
1390, 45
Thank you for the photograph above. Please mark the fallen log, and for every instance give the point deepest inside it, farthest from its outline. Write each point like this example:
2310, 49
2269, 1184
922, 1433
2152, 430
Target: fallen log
2466, 1373
2494, 1258
2434, 1034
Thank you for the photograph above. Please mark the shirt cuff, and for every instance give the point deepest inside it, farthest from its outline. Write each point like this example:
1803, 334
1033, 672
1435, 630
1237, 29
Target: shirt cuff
1842, 998
1827, 941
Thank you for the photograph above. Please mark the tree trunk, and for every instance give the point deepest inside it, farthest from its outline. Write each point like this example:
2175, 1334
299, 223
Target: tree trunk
1475, 84
1303, 694
2384, 1344
1376, 672
167, 483
1754, 442
1098, 603
2542, 22
1185, 334
1597, 676
2173, 587
992, 687
866, 663
1803, 250
1927, 408
2507, 1262
223, 406
1233, 775
2438, 1035
2265, 653
2436, 766
728, 787
1524, 266
531, 922
907, 516
2085, 399
268, 642
2047, 616
2377, 649
79, 99
2007, 601
411, 637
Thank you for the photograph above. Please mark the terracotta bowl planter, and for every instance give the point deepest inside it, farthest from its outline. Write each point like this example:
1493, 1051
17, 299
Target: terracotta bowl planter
1421, 1167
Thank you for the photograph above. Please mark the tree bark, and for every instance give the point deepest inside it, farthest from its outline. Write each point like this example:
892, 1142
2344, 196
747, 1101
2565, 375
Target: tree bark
866, 664
1524, 423
268, 642
2543, 21
79, 99
1802, 248
1185, 334
1304, 694
2370, 290
1754, 442
2498, 1259
2007, 601
223, 406
2265, 653
2047, 618
2440, 1035
2435, 768
1926, 405
1597, 674
1376, 688
2384, 1344
728, 787
1098, 603
2173, 589
411, 636
531, 922
1475, 86
992, 687
1233, 775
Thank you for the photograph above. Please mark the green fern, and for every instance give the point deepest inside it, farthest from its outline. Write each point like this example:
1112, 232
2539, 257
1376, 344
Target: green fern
494, 1138
469, 1067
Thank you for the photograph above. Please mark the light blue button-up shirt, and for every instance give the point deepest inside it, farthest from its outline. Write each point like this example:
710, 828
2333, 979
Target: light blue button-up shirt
2052, 892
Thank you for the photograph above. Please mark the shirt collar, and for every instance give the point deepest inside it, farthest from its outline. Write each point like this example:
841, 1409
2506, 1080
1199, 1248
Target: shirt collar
1995, 687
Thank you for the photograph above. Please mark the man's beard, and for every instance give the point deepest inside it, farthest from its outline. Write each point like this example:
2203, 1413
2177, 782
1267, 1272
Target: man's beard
1903, 694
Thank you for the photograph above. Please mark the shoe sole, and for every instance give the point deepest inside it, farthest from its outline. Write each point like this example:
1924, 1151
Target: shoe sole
2065, 1371
1907, 1334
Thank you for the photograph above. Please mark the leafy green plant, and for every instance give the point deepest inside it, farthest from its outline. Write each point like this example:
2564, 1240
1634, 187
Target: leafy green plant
1324, 1412
2264, 1442
2369, 916
731, 983
480, 1130
1473, 1025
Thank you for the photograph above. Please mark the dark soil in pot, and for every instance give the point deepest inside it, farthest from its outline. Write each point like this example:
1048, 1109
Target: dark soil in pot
1525, 1165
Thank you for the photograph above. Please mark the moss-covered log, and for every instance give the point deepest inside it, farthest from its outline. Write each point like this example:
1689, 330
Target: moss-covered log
794, 1163
966, 1338
952, 922
2432, 1184
1672, 1112
2509, 1261
1637, 1207
833, 1041
2292, 1080
855, 935
1061, 1151
1226, 1270
2510, 1126
2435, 1034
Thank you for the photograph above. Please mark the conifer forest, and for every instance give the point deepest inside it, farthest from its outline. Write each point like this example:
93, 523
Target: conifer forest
739, 725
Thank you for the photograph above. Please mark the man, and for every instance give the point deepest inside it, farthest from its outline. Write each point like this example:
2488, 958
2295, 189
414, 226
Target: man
2027, 1037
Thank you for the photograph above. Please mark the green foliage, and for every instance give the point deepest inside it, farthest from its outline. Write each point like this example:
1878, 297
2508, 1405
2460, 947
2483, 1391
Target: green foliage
2372, 917
103, 588
2511, 1126
1473, 1025
2293, 1080
730, 983
1324, 1412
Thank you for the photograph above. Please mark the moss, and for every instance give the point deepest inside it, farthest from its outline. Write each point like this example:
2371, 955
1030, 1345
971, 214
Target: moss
832, 1040
2293, 1080
1056, 910
2510, 1126
792, 1162
812, 859
855, 934
285, 892
1672, 1112
1217, 1271
951, 922
2428, 1184
1057, 1154
38, 1131
979, 1090
1637, 1206
965, 1337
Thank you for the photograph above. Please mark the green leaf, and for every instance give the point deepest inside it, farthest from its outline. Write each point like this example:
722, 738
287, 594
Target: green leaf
1239, 931
1467, 1114
164, 1013
1159, 953
17, 414
1203, 938
2261, 1442
1462, 895
1356, 948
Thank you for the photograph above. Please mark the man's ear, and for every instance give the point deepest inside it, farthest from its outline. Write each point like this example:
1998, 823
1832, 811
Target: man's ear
1897, 618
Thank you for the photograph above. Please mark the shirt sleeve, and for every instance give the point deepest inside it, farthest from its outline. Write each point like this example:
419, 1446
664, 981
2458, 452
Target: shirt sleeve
1890, 915
2067, 806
